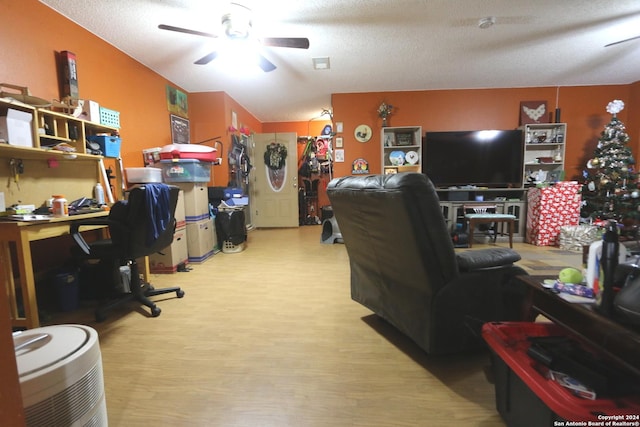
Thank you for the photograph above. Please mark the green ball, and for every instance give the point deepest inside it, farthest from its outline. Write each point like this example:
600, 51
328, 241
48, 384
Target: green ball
570, 275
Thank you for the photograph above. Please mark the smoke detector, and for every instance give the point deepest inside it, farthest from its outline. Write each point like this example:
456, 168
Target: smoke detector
487, 22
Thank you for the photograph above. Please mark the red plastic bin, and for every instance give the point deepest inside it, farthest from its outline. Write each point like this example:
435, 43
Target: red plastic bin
526, 397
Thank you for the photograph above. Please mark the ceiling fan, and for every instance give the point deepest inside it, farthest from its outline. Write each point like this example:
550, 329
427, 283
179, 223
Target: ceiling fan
237, 26
622, 41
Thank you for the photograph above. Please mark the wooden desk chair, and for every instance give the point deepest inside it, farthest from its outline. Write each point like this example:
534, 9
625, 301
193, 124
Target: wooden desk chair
486, 214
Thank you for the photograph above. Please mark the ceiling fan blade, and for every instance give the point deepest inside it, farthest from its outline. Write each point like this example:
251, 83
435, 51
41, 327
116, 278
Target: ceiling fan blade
207, 58
294, 42
622, 41
265, 64
186, 31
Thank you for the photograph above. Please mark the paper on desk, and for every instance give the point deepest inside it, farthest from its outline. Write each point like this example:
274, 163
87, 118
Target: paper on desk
27, 217
576, 298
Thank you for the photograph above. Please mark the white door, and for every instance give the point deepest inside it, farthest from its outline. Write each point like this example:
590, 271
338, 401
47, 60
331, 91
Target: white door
274, 198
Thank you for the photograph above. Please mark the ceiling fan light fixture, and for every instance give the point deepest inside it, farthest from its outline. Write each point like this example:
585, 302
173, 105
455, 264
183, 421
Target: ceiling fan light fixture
321, 63
487, 22
236, 27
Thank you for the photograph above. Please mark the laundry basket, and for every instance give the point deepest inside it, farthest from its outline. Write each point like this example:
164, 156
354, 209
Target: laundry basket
230, 229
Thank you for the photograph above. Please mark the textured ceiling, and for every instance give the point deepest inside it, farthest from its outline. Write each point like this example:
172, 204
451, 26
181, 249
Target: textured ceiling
375, 46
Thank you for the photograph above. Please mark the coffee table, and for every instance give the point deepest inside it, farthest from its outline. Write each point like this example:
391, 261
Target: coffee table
617, 341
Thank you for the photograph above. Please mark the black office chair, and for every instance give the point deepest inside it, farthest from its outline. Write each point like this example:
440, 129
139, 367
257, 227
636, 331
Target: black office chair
142, 225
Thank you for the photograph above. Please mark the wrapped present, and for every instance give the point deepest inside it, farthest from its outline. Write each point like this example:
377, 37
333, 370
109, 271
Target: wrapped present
576, 237
550, 208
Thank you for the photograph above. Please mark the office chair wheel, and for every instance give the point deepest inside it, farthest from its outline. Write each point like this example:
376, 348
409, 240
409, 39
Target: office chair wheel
179, 293
155, 311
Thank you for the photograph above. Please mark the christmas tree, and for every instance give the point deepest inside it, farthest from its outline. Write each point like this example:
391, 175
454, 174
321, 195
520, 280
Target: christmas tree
611, 189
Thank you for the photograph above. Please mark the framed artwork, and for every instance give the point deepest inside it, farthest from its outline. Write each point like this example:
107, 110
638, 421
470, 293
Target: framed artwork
389, 139
339, 156
533, 112
179, 130
404, 138
390, 170
339, 142
177, 102
234, 119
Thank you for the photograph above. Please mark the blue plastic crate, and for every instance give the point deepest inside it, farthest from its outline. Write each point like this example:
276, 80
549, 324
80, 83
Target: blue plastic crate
110, 145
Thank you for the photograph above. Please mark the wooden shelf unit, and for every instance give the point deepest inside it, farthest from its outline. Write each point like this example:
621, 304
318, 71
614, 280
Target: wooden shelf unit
402, 139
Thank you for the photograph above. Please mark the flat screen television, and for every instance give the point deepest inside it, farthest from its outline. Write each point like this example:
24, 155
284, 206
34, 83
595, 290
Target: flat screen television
484, 158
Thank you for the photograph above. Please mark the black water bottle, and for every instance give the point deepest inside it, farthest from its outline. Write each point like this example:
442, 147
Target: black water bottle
609, 262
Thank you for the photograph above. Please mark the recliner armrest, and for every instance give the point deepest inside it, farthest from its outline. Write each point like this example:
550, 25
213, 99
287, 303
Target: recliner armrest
483, 259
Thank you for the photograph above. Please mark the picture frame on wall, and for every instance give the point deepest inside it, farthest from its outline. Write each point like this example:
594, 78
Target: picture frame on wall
179, 130
339, 142
532, 112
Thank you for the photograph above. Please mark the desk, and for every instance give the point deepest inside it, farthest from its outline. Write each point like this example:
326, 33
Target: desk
22, 234
620, 343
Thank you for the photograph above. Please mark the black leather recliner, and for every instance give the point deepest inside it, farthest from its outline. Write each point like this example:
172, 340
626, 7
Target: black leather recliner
137, 227
404, 267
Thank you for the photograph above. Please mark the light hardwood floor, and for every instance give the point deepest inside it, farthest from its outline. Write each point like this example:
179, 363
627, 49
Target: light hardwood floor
270, 337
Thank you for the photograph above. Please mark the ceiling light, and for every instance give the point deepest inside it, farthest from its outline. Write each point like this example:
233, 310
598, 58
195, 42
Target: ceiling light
321, 63
487, 22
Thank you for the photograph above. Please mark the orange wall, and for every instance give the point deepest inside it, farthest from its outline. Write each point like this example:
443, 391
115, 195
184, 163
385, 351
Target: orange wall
582, 108
210, 117
33, 34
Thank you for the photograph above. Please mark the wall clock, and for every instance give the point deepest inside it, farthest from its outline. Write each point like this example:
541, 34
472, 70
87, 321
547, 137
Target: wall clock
363, 133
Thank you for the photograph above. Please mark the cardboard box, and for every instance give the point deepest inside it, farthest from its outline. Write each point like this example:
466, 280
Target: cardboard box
167, 260
196, 200
201, 239
151, 156
90, 110
15, 128
70, 75
179, 214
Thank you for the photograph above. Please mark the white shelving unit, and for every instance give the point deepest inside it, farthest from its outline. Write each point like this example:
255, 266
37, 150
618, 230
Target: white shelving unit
401, 149
544, 152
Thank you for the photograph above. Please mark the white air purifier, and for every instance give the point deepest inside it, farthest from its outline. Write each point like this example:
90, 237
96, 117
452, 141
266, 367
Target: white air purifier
60, 370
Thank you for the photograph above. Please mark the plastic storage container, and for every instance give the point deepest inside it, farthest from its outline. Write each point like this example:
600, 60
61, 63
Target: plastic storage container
110, 145
189, 151
59, 206
526, 396
185, 170
143, 175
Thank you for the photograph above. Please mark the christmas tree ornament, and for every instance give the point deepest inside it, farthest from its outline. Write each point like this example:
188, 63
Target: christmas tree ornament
591, 186
635, 194
615, 106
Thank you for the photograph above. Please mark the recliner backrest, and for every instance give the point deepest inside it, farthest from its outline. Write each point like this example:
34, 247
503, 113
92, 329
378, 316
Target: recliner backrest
394, 229
130, 224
